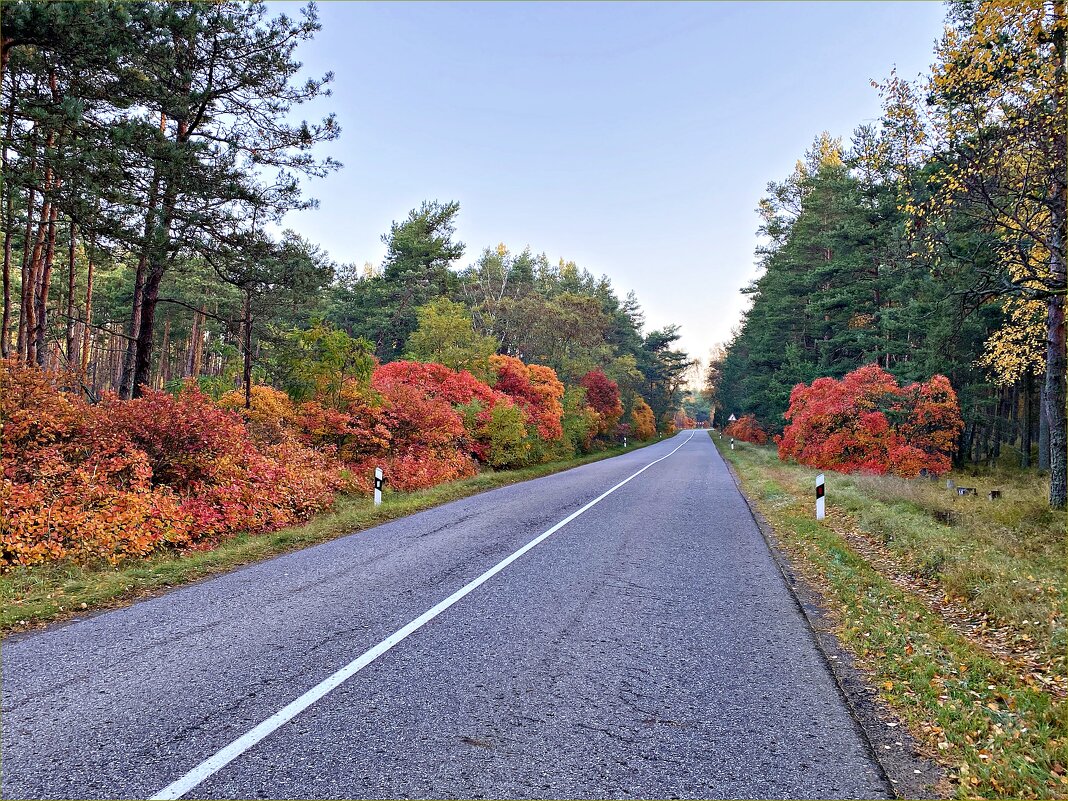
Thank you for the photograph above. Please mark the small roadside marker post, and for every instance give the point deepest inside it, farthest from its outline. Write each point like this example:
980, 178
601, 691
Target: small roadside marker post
378, 486
732, 443
821, 501
624, 442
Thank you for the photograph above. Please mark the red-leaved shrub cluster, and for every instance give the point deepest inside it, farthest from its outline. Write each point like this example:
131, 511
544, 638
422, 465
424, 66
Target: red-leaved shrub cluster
119, 478
866, 422
747, 429
124, 478
602, 395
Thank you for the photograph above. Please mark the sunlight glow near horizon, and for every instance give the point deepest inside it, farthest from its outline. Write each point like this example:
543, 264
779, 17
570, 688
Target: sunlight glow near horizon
633, 138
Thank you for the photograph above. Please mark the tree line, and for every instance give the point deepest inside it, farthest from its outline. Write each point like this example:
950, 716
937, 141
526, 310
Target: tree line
149, 158
932, 242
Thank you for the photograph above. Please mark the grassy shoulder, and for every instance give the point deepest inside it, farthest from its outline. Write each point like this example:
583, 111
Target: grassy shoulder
34, 596
954, 608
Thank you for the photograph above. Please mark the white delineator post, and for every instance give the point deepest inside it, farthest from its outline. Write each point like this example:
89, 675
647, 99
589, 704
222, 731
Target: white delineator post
732, 443
821, 510
378, 486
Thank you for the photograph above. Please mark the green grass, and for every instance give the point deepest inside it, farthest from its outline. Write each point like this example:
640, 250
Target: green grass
33, 596
996, 729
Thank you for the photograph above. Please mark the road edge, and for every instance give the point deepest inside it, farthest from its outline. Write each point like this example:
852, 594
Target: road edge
907, 772
211, 572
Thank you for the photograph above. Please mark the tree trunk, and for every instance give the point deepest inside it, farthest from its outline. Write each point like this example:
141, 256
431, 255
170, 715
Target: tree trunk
29, 286
45, 282
998, 427
20, 344
165, 355
72, 356
1055, 332
88, 305
9, 224
247, 345
150, 298
196, 342
157, 264
1028, 422
1054, 399
126, 383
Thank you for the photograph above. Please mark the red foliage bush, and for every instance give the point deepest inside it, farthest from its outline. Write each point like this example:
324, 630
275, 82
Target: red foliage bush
125, 478
536, 390
602, 395
747, 429
867, 422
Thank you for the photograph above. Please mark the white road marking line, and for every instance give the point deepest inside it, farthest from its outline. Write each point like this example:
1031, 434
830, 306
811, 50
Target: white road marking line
212, 764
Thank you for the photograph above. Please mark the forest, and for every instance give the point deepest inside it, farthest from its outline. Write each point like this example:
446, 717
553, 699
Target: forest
179, 366
931, 243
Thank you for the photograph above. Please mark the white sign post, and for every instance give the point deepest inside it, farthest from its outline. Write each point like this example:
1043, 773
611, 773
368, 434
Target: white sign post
821, 510
378, 486
732, 443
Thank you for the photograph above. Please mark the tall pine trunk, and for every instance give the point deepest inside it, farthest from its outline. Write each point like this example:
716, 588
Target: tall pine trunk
1055, 333
9, 223
34, 278
44, 283
1054, 390
126, 382
72, 356
86, 341
150, 297
20, 344
247, 347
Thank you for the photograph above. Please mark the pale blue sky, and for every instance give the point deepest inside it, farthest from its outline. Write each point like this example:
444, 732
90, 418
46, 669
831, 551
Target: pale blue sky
633, 138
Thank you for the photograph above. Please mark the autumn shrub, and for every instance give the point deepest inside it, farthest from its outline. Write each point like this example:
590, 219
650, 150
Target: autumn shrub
125, 478
602, 395
203, 454
357, 432
867, 423
536, 390
427, 438
683, 420
508, 441
271, 416
71, 489
642, 420
579, 422
747, 429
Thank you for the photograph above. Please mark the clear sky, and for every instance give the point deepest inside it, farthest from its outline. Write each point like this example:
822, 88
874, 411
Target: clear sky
633, 138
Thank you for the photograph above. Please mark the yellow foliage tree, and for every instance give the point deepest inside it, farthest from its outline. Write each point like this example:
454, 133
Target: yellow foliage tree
995, 131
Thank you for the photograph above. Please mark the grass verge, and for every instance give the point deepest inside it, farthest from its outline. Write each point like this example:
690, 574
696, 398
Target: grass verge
31, 597
959, 627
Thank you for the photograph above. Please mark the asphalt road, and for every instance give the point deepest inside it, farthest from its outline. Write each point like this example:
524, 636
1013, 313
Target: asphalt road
647, 648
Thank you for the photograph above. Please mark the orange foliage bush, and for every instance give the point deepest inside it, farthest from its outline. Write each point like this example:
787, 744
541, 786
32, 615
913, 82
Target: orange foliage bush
126, 478
536, 390
643, 422
747, 429
866, 422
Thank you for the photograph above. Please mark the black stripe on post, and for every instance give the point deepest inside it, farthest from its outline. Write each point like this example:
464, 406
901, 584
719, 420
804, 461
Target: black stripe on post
819, 490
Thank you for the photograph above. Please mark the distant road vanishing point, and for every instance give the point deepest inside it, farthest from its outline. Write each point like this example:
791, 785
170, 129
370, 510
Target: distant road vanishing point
616, 630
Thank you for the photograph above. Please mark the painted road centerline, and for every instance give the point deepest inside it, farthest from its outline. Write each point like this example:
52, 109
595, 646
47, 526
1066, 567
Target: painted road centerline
225, 756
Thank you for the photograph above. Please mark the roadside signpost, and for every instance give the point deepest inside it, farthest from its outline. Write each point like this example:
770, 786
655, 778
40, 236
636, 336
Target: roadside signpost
821, 508
379, 480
